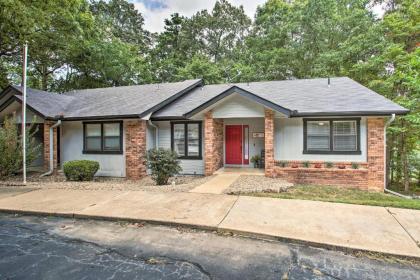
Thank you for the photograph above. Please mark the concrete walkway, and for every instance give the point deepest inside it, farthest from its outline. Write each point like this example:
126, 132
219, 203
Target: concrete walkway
217, 184
379, 229
224, 177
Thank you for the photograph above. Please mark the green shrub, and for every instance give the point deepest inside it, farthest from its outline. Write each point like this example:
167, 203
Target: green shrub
163, 164
354, 165
11, 157
329, 164
306, 164
80, 170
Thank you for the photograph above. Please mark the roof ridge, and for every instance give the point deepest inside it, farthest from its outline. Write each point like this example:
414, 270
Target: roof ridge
150, 84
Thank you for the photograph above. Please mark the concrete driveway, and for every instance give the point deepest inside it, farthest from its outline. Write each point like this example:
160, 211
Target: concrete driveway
378, 229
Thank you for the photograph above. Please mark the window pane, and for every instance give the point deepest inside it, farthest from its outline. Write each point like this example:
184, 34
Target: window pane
345, 143
111, 129
345, 135
93, 143
179, 139
112, 143
193, 139
318, 135
246, 142
93, 129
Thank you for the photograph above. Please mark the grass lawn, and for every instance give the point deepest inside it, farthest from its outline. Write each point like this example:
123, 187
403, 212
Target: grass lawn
342, 195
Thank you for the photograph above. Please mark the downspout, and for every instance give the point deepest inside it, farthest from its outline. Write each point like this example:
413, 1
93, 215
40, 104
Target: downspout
156, 133
49, 172
385, 160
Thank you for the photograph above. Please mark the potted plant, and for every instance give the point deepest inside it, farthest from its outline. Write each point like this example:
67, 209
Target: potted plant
318, 165
256, 160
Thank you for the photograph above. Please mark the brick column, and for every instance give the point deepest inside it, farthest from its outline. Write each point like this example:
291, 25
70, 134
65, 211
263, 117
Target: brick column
135, 149
213, 143
269, 143
47, 125
375, 153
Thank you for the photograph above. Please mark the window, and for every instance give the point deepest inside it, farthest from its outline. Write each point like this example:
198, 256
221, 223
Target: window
186, 139
102, 137
331, 136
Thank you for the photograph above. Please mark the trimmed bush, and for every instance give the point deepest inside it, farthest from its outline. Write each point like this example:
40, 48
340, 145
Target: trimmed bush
80, 170
163, 163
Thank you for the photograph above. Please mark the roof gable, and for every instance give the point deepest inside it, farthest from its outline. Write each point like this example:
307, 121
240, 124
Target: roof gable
241, 92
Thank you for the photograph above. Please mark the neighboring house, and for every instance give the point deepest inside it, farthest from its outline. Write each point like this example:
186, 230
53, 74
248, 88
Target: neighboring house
210, 126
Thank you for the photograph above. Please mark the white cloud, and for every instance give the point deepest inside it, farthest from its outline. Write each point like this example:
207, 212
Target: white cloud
154, 17
156, 11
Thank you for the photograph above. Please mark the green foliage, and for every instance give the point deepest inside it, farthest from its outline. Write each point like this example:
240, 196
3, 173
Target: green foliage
163, 164
11, 158
354, 165
86, 44
255, 159
80, 170
329, 164
306, 164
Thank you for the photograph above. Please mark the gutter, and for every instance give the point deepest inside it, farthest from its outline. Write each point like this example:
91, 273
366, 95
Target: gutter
49, 172
385, 160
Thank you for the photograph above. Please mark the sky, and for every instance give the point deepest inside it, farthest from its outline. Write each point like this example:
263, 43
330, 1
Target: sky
155, 11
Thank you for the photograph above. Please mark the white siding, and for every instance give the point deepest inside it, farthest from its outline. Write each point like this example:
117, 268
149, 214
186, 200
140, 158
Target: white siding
237, 106
72, 147
189, 166
288, 143
256, 145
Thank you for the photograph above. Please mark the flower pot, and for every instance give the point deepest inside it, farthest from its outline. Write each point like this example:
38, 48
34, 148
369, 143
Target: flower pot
294, 165
341, 167
318, 165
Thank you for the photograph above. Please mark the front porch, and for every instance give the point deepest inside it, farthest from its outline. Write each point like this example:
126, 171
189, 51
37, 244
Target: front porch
231, 143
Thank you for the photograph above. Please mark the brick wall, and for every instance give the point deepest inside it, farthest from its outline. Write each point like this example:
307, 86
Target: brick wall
47, 125
334, 177
135, 149
269, 142
370, 176
375, 153
213, 143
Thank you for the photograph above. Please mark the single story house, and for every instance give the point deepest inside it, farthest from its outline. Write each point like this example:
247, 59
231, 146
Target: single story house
318, 131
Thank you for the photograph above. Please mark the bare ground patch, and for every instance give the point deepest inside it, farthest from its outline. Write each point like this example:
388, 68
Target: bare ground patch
176, 184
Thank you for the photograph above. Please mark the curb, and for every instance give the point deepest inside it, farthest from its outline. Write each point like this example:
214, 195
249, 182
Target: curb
245, 234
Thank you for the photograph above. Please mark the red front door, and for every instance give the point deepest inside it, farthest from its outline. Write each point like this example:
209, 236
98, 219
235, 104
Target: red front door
233, 144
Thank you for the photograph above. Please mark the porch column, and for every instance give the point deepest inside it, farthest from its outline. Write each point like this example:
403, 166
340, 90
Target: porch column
269, 142
47, 125
375, 153
213, 143
135, 149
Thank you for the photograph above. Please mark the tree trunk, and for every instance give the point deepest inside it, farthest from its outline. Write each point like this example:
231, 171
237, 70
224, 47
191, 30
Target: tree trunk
44, 81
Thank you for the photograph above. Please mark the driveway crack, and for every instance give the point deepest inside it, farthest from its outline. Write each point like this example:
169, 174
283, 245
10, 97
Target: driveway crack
233, 204
395, 218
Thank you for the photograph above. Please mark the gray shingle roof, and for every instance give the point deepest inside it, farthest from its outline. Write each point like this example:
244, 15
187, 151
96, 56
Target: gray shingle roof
304, 97
126, 100
308, 97
46, 103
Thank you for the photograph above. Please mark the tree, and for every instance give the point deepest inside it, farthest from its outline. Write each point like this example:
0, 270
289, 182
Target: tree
398, 79
11, 147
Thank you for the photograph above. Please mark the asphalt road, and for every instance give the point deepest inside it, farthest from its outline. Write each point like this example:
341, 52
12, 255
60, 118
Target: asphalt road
58, 248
